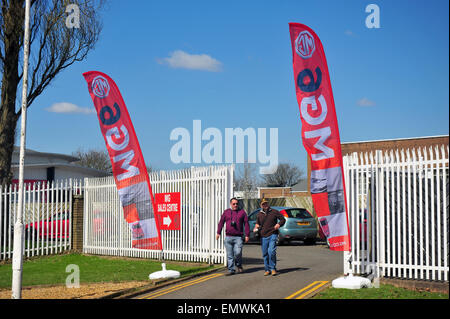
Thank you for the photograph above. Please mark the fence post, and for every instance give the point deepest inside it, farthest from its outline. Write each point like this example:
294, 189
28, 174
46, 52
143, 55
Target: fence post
77, 222
380, 213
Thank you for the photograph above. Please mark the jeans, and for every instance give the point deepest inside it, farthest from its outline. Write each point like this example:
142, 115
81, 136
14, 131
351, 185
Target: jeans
233, 245
269, 252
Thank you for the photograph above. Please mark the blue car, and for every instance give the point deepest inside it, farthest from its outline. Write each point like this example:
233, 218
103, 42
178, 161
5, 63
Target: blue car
300, 225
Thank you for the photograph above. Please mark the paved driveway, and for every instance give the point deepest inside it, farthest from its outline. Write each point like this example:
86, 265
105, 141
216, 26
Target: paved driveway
302, 269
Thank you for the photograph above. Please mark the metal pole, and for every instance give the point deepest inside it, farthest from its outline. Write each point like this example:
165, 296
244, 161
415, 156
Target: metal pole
18, 226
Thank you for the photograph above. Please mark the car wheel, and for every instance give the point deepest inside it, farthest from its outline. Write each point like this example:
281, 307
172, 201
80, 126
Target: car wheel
310, 241
280, 240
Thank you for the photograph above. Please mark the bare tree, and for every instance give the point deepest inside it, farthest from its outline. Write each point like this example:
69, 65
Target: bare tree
286, 175
93, 158
98, 159
53, 47
247, 179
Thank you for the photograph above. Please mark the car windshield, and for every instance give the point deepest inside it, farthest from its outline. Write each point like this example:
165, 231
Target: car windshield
298, 213
61, 216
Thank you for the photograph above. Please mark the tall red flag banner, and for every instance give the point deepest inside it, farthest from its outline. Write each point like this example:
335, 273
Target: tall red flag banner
128, 166
320, 134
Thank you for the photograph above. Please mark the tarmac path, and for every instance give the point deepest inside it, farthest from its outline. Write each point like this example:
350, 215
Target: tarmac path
302, 270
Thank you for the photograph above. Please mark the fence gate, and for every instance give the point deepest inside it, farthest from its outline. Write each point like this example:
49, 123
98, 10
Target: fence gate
398, 206
205, 193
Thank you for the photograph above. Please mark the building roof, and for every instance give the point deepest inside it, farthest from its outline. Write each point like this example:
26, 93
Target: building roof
51, 157
73, 167
35, 159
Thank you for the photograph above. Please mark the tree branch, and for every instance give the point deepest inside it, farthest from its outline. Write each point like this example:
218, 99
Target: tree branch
59, 46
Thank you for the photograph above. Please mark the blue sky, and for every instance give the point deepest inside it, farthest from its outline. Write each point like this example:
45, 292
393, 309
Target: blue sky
390, 82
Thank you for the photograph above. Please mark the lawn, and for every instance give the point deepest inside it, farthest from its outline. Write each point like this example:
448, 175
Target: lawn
51, 270
384, 292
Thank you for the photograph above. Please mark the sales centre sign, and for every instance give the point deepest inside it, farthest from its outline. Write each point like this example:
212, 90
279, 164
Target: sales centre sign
168, 210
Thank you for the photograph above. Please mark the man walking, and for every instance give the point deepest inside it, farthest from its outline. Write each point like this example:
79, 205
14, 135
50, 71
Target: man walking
235, 220
268, 222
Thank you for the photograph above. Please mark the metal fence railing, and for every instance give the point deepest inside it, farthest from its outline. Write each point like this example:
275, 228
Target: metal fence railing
46, 217
398, 206
204, 194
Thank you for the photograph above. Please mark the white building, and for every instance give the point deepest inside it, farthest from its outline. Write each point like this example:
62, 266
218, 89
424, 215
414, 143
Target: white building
41, 167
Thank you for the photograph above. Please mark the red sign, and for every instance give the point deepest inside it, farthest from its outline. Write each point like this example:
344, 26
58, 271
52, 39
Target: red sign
320, 134
168, 207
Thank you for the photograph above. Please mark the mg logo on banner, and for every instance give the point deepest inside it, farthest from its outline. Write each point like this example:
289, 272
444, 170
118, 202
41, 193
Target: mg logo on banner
100, 87
304, 45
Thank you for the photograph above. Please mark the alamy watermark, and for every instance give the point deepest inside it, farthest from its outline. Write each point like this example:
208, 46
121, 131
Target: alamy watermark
373, 19
189, 147
73, 280
73, 19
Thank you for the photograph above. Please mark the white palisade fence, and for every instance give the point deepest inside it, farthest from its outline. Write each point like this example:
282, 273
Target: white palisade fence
205, 193
47, 217
398, 205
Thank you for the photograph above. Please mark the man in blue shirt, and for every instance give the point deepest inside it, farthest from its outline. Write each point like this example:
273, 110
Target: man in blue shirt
235, 220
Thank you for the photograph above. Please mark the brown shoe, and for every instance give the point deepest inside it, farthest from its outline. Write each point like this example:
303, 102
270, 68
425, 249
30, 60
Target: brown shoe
240, 269
266, 273
274, 272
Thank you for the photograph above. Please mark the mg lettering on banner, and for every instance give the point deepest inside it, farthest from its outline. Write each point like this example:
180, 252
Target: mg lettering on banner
128, 166
320, 134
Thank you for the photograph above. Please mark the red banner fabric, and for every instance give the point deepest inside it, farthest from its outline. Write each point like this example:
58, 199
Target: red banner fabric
320, 134
128, 166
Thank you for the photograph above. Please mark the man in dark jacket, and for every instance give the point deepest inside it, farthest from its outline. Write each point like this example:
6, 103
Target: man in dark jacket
270, 220
235, 219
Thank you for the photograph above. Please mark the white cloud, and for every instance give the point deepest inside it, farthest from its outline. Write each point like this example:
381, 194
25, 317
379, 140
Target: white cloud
66, 107
180, 59
365, 102
349, 33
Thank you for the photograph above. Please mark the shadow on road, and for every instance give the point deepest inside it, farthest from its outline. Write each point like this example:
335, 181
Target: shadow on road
292, 243
252, 261
252, 265
252, 270
286, 270
281, 271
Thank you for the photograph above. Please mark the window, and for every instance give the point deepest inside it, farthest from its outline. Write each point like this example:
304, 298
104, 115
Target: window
253, 216
298, 213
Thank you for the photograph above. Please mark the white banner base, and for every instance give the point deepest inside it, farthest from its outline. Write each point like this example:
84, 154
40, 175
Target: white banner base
351, 282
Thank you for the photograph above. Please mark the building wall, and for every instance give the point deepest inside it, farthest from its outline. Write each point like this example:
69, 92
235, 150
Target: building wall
32, 173
383, 145
271, 192
64, 173
386, 145
351, 147
41, 166
61, 173
276, 192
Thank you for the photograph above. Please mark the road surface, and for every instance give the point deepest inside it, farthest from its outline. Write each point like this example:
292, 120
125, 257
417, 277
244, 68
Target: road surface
302, 269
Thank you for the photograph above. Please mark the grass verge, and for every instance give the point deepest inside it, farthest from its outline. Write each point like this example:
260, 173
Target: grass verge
51, 270
384, 292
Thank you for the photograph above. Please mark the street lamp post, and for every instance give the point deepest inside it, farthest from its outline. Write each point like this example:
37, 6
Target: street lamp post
18, 226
